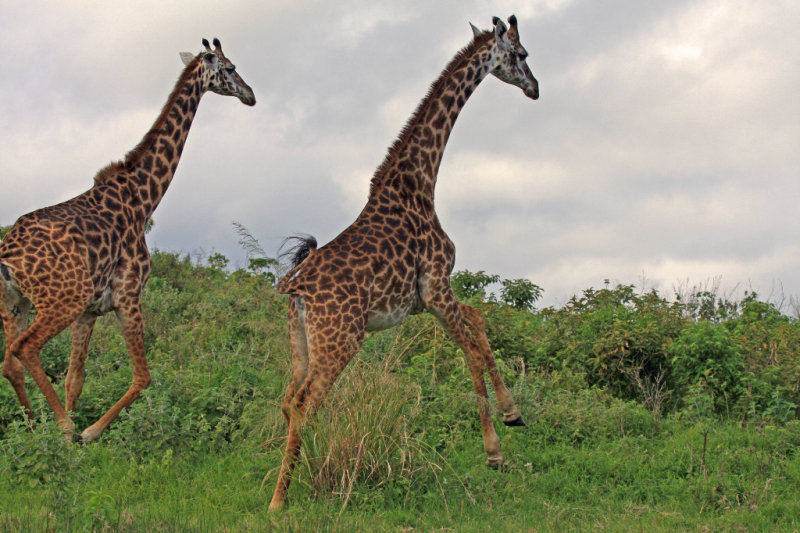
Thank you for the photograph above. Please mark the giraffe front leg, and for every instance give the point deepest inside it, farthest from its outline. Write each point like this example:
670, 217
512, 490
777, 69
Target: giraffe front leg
81, 335
477, 326
130, 316
446, 309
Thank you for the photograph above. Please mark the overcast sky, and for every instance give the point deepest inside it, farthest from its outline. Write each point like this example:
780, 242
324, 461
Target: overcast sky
665, 146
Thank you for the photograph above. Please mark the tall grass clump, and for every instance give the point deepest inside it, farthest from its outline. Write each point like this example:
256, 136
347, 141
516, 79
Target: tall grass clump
362, 437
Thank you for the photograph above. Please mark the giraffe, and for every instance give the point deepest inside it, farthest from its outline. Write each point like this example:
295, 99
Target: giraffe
395, 259
82, 258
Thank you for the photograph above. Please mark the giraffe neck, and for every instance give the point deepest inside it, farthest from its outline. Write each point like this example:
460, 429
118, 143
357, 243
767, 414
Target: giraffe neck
412, 163
151, 165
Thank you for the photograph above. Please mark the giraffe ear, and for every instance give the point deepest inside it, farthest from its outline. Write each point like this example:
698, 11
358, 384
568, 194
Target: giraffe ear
500, 33
475, 31
186, 57
499, 26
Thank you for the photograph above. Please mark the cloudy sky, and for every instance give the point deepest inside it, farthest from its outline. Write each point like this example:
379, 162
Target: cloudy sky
665, 147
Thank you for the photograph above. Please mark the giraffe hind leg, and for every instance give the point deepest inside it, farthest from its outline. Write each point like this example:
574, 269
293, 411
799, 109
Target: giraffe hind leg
477, 327
14, 309
326, 359
81, 335
47, 324
299, 348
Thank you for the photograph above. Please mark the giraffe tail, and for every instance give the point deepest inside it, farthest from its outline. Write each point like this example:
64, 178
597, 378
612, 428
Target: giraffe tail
301, 247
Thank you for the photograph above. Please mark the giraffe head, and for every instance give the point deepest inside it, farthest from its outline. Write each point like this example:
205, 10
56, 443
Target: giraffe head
509, 57
219, 74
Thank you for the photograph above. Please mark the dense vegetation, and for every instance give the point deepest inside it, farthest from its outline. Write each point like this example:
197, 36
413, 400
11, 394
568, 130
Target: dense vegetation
643, 413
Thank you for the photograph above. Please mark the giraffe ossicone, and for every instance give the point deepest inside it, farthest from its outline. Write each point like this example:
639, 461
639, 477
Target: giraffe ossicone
84, 257
395, 259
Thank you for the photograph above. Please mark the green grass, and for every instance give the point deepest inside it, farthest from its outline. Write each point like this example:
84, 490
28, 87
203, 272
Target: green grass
633, 482
398, 447
652, 477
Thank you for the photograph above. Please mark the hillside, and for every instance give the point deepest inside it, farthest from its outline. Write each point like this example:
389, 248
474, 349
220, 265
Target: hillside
643, 413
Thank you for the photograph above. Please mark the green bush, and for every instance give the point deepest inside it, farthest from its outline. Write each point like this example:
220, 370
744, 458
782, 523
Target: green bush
705, 357
612, 335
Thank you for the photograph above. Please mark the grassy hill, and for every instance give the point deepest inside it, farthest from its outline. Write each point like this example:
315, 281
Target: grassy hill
643, 413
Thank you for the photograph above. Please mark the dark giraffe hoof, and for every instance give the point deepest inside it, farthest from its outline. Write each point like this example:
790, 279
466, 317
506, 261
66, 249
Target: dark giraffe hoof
516, 422
499, 466
76, 438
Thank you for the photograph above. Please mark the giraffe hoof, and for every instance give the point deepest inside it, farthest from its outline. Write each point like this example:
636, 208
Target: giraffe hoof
495, 464
515, 422
76, 438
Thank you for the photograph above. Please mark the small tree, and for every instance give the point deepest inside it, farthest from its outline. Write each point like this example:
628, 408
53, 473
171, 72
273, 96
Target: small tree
520, 293
467, 284
218, 261
262, 265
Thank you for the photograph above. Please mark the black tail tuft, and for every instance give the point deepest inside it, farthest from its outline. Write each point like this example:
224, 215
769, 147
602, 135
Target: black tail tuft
296, 248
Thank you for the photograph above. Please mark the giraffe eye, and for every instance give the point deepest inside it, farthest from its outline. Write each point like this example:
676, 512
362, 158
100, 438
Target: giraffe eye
522, 55
230, 68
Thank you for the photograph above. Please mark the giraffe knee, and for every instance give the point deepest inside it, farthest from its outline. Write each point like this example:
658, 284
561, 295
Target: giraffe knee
13, 370
475, 319
142, 381
286, 408
25, 353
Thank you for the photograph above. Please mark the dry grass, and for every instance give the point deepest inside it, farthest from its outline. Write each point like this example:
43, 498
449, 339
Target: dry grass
362, 434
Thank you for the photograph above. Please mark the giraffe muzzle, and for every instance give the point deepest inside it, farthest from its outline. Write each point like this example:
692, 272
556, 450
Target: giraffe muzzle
532, 91
248, 99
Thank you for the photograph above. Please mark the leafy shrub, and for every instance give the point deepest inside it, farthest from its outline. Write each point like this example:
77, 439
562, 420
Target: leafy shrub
39, 457
706, 354
611, 334
770, 346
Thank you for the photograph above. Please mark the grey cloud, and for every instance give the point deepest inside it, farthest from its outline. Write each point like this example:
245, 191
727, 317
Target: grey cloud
665, 139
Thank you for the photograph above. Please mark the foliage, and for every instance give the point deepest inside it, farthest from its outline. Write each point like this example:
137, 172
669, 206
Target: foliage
705, 355
642, 412
611, 334
520, 293
468, 284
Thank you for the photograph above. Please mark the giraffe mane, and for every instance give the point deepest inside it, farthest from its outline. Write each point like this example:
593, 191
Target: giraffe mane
133, 156
435, 89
